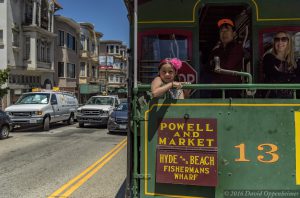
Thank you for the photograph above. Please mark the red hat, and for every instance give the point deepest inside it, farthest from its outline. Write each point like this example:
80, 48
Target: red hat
225, 21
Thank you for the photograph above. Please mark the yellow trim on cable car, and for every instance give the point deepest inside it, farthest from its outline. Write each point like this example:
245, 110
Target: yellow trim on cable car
273, 19
297, 145
194, 11
297, 136
189, 21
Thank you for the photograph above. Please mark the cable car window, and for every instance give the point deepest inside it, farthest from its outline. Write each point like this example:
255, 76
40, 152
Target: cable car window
160, 44
157, 47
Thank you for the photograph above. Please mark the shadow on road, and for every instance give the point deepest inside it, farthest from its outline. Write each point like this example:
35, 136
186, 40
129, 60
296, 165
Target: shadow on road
122, 190
25, 129
117, 133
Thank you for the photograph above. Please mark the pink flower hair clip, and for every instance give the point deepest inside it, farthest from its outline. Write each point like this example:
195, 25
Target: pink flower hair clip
177, 64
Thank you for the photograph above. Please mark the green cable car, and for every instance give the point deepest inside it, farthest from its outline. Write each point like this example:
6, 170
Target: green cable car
207, 146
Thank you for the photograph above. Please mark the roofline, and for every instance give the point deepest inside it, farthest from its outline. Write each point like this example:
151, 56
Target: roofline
87, 24
69, 21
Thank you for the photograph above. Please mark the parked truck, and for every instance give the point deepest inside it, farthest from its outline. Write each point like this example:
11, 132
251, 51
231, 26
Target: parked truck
97, 110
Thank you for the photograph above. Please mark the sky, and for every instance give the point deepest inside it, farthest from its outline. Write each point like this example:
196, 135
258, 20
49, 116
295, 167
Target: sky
108, 16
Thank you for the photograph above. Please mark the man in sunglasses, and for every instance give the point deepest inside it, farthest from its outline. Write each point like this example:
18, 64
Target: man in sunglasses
230, 55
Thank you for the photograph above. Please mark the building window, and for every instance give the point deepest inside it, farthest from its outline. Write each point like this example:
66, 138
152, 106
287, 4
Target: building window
15, 38
1, 36
71, 41
48, 53
94, 74
111, 49
61, 69
117, 49
87, 44
82, 41
1, 1
27, 48
43, 54
28, 12
93, 48
61, 38
43, 51
111, 79
88, 70
82, 69
71, 70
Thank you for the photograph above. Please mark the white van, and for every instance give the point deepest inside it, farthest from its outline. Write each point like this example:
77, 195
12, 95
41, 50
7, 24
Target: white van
43, 108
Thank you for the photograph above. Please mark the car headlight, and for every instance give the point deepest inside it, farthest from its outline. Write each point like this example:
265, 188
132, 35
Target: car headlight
105, 113
8, 113
38, 113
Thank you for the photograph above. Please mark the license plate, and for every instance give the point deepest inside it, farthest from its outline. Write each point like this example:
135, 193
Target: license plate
33, 121
123, 126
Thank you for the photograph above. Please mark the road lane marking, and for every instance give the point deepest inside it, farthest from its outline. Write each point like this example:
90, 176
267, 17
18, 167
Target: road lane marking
90, 174
77, 181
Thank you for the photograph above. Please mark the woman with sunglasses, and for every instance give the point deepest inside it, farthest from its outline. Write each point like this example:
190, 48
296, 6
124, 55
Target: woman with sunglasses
279, 65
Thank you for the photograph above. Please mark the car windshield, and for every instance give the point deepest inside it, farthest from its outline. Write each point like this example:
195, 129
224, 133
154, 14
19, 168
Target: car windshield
34, 98
122, 107
100, 101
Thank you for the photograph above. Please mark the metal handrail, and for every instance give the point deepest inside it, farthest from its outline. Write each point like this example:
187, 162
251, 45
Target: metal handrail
147, 87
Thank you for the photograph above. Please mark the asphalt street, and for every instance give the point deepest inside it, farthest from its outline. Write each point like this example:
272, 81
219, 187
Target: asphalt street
37, 164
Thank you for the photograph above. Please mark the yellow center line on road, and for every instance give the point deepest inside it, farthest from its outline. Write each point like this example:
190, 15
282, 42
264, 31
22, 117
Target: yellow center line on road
77, 181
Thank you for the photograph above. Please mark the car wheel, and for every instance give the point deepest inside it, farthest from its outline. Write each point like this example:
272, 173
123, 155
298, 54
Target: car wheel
71, 119
4, 132
46, 125
81, 124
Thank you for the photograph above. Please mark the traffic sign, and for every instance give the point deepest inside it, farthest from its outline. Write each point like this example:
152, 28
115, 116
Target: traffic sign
187, 73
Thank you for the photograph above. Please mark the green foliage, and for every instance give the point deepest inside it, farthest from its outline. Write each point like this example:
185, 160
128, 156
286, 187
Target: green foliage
3, 79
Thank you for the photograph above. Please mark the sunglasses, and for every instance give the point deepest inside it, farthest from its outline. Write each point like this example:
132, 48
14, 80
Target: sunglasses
282, 39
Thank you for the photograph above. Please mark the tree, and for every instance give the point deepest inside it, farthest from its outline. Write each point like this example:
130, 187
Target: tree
3, 79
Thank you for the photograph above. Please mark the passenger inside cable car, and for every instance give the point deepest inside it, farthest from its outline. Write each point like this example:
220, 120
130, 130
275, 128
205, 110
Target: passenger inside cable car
227, 41
227, 54
279, 65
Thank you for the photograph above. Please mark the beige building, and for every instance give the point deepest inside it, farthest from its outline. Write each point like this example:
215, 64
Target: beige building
67, 54
27, 42
89, 83
113, 66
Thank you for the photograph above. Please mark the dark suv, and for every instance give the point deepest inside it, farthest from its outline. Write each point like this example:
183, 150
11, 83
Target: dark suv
5, 125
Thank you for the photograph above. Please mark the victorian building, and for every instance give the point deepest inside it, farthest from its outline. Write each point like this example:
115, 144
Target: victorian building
89, 82
113, 66
27, 42
67, 54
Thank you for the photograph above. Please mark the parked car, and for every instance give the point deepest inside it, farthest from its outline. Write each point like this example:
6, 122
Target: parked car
43, 108
118, 119
97, 110
5, 125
